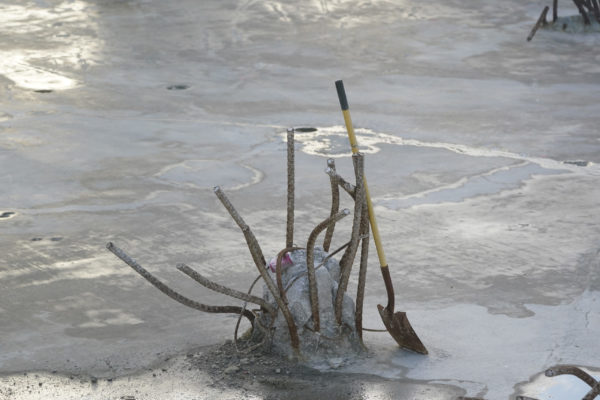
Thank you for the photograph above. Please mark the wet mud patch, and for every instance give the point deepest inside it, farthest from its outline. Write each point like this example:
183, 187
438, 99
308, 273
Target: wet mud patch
274, 377
219, 372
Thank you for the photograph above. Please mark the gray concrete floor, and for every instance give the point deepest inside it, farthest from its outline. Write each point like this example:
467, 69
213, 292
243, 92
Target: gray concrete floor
118, 117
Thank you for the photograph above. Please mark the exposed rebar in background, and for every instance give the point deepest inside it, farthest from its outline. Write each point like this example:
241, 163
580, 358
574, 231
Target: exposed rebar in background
579, 4
554, 10
207, 283
571, 370
310, 265
592, 394
596, 10
289, 235
541, 21
362, 273
579, 373
347, 259
172, 293
335, 204
259, 261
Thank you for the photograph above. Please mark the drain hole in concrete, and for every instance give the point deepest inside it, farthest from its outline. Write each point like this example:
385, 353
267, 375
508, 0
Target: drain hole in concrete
7, 214
305, 129
43, 91
579, 163
178, 87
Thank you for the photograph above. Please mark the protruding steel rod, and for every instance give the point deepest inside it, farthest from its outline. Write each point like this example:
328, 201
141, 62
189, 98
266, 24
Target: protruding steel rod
554, 10
571, 370
596, 10
579, 4
207, 283
310, 265
362, 274
335, 204
347, 259
259, 261
581, 374
289, 236
541, 21
347, 186
592, 394
172, 293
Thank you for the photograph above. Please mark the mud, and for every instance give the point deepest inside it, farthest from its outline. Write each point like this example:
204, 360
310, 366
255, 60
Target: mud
222, 372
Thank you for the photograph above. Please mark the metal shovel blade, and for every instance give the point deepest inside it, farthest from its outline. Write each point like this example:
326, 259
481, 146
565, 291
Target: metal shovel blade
403, 333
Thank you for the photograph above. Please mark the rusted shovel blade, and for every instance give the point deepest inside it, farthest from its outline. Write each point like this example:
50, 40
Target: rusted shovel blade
403, 333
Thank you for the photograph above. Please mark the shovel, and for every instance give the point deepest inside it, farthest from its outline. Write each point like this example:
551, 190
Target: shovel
397, 324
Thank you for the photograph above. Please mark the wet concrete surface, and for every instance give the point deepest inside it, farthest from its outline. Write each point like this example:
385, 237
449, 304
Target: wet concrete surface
118, 117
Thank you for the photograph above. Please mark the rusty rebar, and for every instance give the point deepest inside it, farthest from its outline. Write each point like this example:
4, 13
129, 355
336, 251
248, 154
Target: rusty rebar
541, 21
257, 320
259, 261
362, 273
207, 283
571, 370
347, 259
172, 293
347, 186
579, 5
335, 204
289, 235
593, 393
596, 10
310, 265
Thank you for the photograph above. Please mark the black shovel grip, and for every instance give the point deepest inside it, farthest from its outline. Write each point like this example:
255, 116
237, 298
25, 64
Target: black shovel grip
339, 86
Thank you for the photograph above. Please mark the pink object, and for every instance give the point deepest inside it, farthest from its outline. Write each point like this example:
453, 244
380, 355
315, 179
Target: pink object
286, 261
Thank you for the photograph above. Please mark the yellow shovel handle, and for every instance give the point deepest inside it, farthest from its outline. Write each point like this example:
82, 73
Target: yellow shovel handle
354, 145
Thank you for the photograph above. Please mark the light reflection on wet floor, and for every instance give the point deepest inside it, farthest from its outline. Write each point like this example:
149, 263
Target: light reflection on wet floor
563, 387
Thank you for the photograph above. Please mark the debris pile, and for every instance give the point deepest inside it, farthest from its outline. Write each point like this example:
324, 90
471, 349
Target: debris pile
305, 310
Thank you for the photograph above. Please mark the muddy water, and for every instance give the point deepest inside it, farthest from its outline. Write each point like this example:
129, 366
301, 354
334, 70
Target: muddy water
117, 118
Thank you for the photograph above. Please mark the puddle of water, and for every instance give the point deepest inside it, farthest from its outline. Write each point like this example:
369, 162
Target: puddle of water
489, 183
40, 67
499, 352
332, 141
563, 387
203, 174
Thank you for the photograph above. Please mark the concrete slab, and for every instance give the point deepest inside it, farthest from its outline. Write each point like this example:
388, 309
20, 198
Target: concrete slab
117, 118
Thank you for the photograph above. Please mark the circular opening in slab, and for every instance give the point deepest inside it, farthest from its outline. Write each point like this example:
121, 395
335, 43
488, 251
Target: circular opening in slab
179, 86
7, 214
579, 163
305, 129
43, 91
